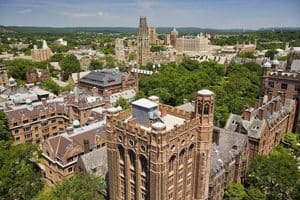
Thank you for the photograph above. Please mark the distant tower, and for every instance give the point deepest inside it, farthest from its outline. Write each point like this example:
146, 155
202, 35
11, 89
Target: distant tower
143, 42
173, 37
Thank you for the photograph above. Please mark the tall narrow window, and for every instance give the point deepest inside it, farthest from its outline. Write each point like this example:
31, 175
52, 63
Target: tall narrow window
206, 109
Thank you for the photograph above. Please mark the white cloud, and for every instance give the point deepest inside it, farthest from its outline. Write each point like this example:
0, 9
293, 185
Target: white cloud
83, 14
24, 11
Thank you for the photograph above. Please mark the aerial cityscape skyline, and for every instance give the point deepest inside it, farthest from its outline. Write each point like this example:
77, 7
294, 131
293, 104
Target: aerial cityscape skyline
205, 14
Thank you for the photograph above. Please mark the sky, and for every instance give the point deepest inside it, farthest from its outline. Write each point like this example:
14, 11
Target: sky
220, 14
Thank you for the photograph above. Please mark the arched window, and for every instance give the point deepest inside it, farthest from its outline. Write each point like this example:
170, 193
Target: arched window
131, 158
191, 151
199, 108
121, 154
206, 109
181, 157
171, 163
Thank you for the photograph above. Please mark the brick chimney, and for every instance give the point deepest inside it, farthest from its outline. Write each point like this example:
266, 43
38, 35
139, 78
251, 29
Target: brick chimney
261, 101
260, 113
282, 97
216, 136
86, 146
270, 96
272, 107
247, 114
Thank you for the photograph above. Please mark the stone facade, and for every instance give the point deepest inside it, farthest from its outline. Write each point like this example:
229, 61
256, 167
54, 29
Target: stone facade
152, 35
192, 43
3, 75
286, 81
266, 124
143, 42
160, 152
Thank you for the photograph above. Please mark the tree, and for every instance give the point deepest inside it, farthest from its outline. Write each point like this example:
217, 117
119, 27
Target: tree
96, 64
132, 56
277, 175
235, 192
57, 57
20, 177
271, 53
254, 193
79, 187
51, 86
123, 103
4, 133
140, 94
69, 64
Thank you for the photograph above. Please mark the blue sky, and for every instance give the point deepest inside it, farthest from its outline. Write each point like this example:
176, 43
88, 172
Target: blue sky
175, 13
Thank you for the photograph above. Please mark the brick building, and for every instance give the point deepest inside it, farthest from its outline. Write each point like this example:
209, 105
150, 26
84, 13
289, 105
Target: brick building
266, 124
143, 42
108, 80
35, 122
63, 151
37, 75
287, 81
160, 152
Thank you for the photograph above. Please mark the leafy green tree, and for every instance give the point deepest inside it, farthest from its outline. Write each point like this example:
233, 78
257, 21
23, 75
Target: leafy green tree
21, 83
20, 177
96, 64
132, 56
271, 53
140, 94
235, 192
51, 86
69, 64
79, 187
123, 103
277, 175
17, 68
57, 57
4, 133
254, 193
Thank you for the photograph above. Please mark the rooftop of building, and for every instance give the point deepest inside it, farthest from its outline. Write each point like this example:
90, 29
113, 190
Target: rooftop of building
96, 161
230, 144
61, 144
104, 78
255, 125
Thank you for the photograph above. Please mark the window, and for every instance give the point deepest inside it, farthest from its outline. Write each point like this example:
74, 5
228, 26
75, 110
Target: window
70, 169
16, 131
43, 117
17, 138
53, 121
206, 109
271, 84
16, 124
25, 121
26, 128
283, 86
34, 119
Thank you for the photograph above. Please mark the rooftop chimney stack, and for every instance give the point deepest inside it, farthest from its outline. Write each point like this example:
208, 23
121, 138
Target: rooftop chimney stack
86, 145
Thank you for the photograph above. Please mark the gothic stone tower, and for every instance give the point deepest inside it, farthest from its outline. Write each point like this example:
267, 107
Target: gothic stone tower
158, 152
143, 42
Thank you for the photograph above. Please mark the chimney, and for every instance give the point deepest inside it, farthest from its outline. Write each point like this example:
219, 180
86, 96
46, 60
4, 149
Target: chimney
269, 96
275, 105
247, 114
217, 121
86, 145
216, 136
260, 113
271, 107
282, 97
261, 101
44, 101
78, 77
256, 103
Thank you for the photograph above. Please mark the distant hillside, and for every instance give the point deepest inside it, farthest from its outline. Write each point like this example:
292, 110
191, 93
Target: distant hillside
185, 30
5, 30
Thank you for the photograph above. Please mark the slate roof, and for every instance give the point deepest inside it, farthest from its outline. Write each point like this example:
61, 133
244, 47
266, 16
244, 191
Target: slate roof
295, 65
230, 144
255, 126
96, 159
104, 78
